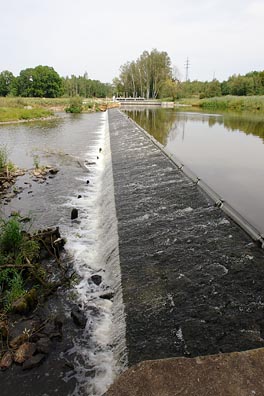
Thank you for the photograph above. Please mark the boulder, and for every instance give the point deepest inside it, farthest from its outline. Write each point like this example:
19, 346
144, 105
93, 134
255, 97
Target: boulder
34, 361
43, 345
24, 352
6, 361
96, 279
3, 329
25, 303
78, 317
74, 214
108, 295
53, 171
17, 341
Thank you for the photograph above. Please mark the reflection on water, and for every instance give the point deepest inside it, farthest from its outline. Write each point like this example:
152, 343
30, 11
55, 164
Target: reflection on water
156, 121
226, 150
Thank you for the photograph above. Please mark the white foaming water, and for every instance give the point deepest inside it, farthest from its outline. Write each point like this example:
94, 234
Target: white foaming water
93, 243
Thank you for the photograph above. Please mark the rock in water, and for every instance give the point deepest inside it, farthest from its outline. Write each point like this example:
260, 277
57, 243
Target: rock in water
25, 352
43, 345
6, 361
78, 317
97, 279
34, 361
74, 214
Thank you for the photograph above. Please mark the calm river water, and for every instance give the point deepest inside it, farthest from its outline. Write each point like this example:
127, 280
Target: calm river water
225, 150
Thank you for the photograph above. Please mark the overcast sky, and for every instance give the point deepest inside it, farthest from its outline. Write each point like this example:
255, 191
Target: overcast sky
220, 37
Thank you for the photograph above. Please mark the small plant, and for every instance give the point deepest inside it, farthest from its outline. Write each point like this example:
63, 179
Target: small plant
10, 237
18, 252
75, 105
3, 157
29, 249
36, 161
15, 291
11, 286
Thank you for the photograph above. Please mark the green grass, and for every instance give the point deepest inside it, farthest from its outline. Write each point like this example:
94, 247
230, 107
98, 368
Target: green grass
34, 102
17, 113
16, 249
15, 108
237, 103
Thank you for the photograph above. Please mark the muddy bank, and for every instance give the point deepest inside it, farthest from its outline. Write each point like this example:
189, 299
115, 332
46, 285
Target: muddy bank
37, 330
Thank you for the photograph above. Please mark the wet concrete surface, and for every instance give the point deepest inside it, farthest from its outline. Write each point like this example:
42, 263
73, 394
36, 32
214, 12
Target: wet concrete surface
234, 374
192, 279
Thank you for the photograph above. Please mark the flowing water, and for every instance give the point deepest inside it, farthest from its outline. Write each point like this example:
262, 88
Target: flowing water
224, 150
79, 147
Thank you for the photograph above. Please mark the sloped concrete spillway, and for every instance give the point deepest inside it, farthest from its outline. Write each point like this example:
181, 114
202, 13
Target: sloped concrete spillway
192, 279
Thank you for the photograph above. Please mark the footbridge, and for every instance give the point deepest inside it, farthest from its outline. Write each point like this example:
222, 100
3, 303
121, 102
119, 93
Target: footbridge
138, 101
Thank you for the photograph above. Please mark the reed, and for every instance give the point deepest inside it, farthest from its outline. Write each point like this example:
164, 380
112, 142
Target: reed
237, 103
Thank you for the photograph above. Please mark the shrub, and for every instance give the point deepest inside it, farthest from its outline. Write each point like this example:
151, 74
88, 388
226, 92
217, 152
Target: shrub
75, 105
16, 250
10, 237
15, 288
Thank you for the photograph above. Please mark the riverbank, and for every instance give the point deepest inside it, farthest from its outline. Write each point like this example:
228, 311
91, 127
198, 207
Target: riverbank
35, 283
236, 103
23, 114
86, 358
32, 109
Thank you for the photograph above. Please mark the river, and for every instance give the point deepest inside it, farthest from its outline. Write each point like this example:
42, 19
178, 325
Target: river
79, 147
224, 149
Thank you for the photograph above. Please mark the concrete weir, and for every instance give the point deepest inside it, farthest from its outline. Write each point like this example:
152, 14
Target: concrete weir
192, 279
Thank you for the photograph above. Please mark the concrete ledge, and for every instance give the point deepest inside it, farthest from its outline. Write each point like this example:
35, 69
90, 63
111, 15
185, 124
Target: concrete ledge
230, 374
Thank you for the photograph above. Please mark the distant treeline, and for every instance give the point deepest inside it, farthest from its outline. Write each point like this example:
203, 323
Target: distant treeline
250, 84
152, 76
44, 81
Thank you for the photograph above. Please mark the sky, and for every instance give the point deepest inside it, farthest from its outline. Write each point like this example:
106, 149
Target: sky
219, 37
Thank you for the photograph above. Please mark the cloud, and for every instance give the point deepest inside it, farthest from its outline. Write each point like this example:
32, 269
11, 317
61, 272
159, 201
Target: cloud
220, 36
256, 9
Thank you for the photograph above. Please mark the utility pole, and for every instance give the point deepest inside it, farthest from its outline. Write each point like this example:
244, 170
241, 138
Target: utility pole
187, 66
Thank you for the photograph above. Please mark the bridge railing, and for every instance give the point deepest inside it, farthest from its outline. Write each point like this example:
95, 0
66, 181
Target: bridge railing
129, 99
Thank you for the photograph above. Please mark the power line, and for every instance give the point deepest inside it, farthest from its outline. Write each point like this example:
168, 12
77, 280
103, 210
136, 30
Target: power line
187, 66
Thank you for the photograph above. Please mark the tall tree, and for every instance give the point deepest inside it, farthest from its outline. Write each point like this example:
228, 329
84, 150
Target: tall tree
145, 76
6, 80
41, 81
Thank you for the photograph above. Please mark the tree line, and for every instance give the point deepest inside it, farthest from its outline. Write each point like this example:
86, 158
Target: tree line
152, 76
44, 81
238, 85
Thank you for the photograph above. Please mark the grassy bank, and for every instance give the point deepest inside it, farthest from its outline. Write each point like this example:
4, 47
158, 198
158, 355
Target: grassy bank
16, 114
237, 103
18, 109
